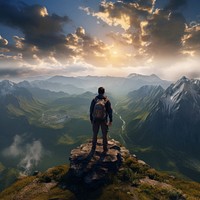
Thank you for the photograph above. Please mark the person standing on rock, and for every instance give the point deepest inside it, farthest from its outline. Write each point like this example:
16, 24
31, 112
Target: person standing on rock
100, 116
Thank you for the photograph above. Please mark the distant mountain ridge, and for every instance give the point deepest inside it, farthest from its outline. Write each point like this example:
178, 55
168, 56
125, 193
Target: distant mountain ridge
6, 87
78, 85
12, 94
10, 88
115, 85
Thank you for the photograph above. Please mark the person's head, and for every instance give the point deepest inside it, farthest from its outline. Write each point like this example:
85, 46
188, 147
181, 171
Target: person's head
101, 90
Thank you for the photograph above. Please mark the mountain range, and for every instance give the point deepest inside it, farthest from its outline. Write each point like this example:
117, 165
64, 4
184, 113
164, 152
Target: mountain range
36, 126
155, 119
176, 116
166, 124
115, 85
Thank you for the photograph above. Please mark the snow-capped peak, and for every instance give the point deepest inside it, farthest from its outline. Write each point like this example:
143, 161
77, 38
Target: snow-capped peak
134, 75
7, 83
183, 89
6, 87
142, 76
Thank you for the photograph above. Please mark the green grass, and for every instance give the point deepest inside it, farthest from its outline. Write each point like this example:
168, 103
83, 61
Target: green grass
1, 167
55, 173
30, 109
66, 139
33, 187
7, 177
58, 193
126, 184
133, 172
10, 192
190, 188
142, 116
15, 111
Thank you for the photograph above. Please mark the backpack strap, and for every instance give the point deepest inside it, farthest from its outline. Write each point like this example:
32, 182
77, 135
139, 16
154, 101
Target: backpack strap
106, 99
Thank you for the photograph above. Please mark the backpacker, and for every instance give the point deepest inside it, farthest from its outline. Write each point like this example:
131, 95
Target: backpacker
99, 112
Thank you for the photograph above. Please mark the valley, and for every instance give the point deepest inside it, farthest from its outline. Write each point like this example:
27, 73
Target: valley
122, 133
40, 126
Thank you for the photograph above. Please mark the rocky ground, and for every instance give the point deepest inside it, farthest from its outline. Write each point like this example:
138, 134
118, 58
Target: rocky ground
115, 174
92, 168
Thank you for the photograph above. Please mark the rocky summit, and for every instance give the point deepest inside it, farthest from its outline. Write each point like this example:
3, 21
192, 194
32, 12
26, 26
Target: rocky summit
93, 167
98, 175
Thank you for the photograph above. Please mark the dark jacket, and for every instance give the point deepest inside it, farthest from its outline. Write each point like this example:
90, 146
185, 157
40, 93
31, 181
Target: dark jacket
107, 105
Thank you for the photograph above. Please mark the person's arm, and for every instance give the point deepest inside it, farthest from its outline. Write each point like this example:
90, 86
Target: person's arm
91, 110
109, 111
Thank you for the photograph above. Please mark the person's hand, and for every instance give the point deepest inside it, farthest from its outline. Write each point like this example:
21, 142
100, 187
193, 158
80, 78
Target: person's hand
109, 123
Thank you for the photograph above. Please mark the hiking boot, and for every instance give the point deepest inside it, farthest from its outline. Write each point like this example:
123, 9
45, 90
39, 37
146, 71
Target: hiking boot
105, 150
93, 149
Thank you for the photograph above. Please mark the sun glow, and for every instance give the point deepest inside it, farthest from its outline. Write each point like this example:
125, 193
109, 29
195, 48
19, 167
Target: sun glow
114, 53
43, 12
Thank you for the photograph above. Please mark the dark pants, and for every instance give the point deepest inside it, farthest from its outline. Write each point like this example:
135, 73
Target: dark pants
104, 129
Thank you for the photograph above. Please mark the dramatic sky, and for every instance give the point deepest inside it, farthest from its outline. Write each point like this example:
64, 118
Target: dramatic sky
101, 37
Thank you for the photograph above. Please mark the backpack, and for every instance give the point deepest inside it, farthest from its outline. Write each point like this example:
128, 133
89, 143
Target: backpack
99, 111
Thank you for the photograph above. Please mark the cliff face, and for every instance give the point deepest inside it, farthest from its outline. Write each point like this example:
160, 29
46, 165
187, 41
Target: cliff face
113, 175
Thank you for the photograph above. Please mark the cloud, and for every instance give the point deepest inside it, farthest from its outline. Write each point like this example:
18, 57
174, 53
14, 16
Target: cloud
75, 68
141, 36
3, 42
44, 42
43, 35
3, 45
13, 66
121, 38
191, 40
151, 40
14, 149
125, 14
155, 34
188, 66
13, 72
86, 48
29, 154
39, 28
32, 157
147, 4
162, 34
175, 4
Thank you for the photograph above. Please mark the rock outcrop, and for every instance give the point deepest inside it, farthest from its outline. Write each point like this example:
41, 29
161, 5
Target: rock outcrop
92, 168
113, 175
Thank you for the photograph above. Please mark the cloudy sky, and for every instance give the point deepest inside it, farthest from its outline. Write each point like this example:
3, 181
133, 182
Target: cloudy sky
102, 37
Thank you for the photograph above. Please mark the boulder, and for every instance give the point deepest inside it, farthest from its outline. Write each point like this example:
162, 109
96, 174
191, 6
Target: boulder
92, 167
